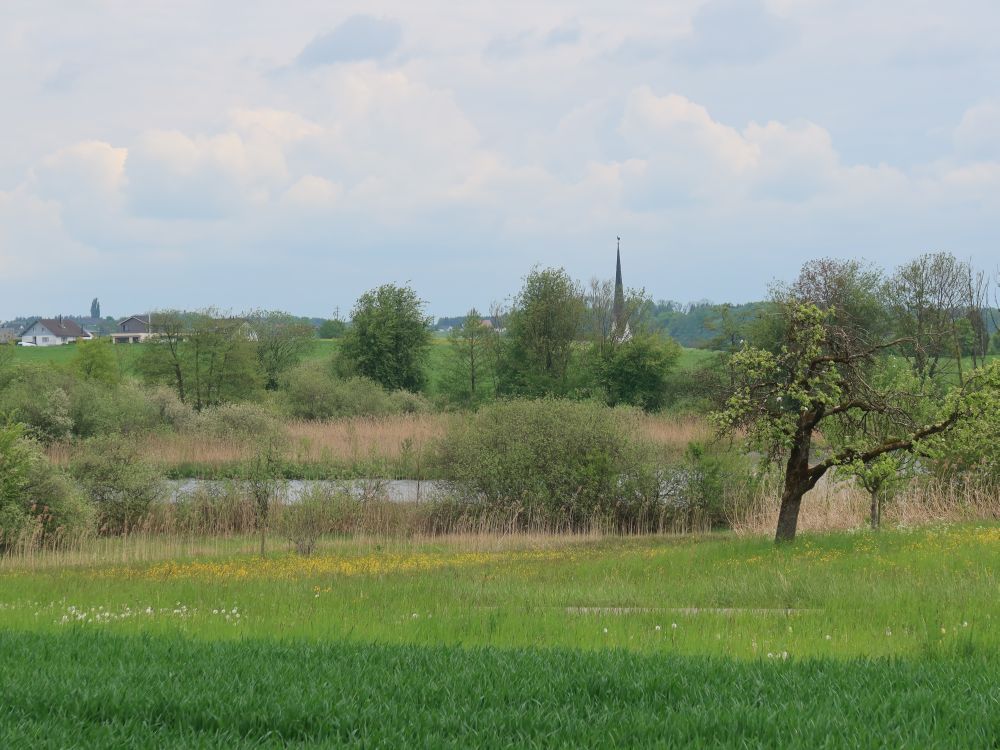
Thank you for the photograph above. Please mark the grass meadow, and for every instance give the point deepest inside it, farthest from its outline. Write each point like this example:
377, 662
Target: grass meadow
862, 639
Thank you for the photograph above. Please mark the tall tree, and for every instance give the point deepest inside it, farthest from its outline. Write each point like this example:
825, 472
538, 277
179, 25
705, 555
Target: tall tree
542, 327
928, 298
95, 309
389, 337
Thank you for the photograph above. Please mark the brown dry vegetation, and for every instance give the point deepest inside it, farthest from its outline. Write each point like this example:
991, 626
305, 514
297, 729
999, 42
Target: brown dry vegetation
349, 441
843, 506
223, 522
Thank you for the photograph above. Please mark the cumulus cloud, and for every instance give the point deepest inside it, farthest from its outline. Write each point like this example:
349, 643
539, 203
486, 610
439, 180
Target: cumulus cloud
503, 137
358, 38
34, 243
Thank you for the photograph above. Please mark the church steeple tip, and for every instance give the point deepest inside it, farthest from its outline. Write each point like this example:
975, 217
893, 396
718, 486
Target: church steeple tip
618, 312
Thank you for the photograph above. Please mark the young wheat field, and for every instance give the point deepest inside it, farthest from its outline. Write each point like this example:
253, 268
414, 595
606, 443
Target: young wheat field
858, 639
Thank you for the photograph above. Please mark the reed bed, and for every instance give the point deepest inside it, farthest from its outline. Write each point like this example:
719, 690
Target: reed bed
843, 506
402, 441
223, 520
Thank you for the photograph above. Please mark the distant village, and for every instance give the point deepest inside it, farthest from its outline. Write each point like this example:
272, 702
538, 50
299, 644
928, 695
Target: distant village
60, 331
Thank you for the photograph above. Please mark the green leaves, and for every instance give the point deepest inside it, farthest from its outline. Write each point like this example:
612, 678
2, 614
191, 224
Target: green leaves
389, 337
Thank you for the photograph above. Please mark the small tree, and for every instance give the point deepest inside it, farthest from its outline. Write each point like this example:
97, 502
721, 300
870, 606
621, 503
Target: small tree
466, 377
207, 357
389, 338
262, 479
281, 340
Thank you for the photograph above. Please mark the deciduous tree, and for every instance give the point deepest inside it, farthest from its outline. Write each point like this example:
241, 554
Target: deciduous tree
389, 337
821, 375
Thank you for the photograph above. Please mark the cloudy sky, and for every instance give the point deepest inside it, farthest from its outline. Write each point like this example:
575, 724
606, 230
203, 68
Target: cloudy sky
293, 154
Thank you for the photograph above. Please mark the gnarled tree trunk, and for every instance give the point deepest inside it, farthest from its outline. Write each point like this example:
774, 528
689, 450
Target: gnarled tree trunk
798, 481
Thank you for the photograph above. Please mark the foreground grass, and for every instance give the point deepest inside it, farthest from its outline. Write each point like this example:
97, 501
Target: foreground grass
91, 689
848, 640
912, 594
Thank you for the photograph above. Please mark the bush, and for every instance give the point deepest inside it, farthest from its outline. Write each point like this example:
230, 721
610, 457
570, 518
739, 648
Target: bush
170, 410
119, 482
313, 392
38, 399
710, 487
242, 420
554, 462
99, 409
35, 498
319, 510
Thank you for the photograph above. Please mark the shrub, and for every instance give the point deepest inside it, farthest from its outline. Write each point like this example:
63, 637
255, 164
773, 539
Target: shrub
119, 482
554, 461
319, 510
35, 498
170, 410
313, 392
242, 420
99, 409
38, 399
710, 487
95, 360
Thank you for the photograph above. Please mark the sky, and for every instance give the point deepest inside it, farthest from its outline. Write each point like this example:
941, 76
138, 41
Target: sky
290, 155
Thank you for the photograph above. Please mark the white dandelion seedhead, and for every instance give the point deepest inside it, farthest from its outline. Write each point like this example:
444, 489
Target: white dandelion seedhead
658, 628
673, 626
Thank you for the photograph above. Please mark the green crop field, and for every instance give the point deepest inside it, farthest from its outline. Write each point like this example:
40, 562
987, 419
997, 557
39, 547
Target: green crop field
888, 639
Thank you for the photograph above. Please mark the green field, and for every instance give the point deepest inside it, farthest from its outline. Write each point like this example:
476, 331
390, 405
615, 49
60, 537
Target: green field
322, 349
861, 639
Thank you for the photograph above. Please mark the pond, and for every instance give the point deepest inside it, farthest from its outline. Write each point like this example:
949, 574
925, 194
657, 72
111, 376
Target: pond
396, 490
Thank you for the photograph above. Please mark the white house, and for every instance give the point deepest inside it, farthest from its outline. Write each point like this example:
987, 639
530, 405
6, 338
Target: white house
53, 332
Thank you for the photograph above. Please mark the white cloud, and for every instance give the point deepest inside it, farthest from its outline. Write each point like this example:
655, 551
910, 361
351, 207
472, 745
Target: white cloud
34, 244
170, 140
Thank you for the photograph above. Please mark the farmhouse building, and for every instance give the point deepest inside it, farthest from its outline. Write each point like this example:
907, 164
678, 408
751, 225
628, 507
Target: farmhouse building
132, 330
53, 332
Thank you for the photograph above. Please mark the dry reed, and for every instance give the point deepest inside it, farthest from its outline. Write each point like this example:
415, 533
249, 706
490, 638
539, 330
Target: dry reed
349, 441
843, 506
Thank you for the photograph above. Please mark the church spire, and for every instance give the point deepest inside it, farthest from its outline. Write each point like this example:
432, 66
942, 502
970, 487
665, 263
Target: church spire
621, 324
